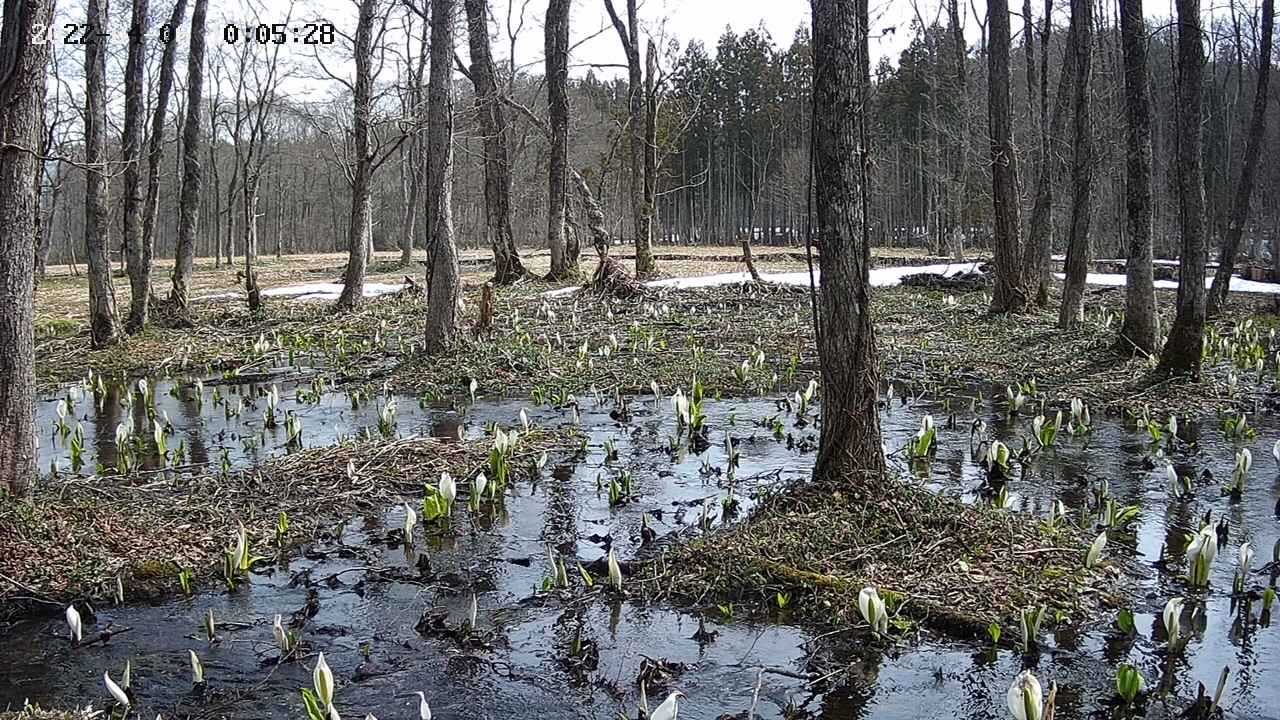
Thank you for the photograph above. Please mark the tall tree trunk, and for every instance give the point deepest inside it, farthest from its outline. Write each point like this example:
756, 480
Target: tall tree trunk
1040, 230
1010, 293
1071, 312
1182, 352
131, 148
22, 67
358, 235
641, 215
649, 209
192, 176
1248, 172
443, 282
155, 147
417, 160
497, 160
102, 297
850, 439
563, 265
1139, 329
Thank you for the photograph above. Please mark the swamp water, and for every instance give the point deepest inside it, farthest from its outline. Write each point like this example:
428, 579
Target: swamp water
369, 597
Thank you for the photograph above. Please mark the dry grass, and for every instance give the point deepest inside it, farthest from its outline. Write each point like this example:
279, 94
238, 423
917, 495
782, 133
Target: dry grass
955, 567
708, 332
78, 535
35, 713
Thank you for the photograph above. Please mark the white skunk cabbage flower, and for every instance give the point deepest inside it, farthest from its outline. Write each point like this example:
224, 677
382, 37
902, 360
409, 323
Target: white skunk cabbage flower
669, 708
197, 669
1095, 550
74, 624
524, 420
120, 695
680, 404
281, 635
1172, 425
1201, 551
1172, 617
322, 680
1244, 460
810, 390
1025, 697
615, 571
1175, 485
873, 611
1245, 558
1275, 451
424, 710
448, 490
478, 485
410, 522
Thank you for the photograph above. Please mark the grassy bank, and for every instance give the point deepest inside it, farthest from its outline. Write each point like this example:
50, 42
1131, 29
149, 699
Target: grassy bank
78, 536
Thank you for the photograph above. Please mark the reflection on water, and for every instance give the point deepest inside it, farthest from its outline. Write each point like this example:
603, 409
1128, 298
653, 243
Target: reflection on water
371, 596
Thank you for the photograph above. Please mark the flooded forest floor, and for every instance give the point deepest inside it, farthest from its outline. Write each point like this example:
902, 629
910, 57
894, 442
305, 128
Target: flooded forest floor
322, 439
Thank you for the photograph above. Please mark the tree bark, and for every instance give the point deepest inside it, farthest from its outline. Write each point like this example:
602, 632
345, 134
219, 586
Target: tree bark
641, 215
1248, 172
358, 235
192, 175
155, 155
443, 282
131, 149
850, 439
22, 67
102, 298
1040, 230
497, 160
1139, 330
1071, 312
416, 160
1182, 351
563, 264
1010, 292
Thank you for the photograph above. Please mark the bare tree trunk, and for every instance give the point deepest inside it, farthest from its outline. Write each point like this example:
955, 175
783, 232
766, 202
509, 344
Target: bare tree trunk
1040, 230
497, 161
358, 235
131, 148
22, 66
443, 282
649, 209
155, 155
417, 159
1139, 330
192, 176
850, 439
1182, 352
641, 217
557, 59
1248, 172
1010, 293
1071, 312
102, 298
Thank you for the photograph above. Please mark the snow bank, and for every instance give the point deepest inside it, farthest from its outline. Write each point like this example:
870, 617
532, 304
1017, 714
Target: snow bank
1238, 284
891, 276
880, 277
312, 291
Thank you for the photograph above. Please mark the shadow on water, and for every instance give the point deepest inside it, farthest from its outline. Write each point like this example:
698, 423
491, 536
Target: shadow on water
371, 594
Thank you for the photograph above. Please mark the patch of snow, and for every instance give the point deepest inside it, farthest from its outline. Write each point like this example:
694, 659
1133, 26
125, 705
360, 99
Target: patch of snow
313, 291
880, 277
1237, 284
